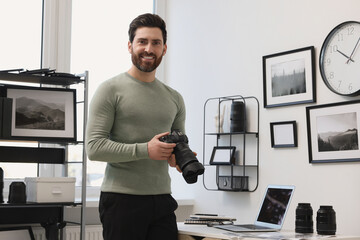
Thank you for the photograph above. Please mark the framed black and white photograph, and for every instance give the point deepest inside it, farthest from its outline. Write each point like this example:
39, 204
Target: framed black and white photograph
289, 78
283, 134
333, 132
38, 114
224, 155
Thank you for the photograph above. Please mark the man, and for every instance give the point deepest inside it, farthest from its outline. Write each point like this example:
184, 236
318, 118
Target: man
129, 113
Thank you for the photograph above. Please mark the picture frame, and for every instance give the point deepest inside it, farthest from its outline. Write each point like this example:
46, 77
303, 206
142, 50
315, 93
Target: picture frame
333, 132
17, 233
223, 155
289, 77
41, 114
283, 134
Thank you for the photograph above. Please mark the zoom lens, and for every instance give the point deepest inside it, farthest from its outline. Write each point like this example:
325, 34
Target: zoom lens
326, 221
304, 218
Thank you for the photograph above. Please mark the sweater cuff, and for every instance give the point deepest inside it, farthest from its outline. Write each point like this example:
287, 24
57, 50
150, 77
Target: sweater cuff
142, 151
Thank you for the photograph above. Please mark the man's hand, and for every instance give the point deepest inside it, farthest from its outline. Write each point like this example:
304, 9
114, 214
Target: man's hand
172, 163
159, 150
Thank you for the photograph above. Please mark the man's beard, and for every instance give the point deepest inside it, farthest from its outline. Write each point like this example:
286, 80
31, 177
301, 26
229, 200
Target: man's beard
143, 66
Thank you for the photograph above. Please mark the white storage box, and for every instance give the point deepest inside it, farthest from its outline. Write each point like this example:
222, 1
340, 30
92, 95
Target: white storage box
50, 189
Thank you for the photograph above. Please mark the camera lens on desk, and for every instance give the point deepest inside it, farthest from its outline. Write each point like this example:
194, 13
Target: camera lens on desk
304, 218
326, 221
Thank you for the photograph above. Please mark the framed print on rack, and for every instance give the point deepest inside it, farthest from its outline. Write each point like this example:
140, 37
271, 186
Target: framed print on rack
289, 78
283, 134
224, 155
42, 114
333, 132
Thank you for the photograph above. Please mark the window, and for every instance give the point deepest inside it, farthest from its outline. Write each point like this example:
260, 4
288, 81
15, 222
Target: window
20, 48
99, 45
20, 34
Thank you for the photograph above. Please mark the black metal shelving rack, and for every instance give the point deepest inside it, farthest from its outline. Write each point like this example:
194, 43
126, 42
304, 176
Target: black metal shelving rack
50, 215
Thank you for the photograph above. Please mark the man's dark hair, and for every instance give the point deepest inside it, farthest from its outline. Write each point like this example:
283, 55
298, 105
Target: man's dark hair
147, 20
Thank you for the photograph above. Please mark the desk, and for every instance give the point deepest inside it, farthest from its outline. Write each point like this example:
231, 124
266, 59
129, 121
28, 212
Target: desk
186, 230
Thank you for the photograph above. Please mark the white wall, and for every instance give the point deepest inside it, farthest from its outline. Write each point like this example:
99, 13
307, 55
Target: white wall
215, 48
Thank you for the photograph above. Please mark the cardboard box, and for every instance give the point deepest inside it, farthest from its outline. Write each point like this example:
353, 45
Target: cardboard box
48, 189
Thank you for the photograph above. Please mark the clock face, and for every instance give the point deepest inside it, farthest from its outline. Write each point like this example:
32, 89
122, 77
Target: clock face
340, 59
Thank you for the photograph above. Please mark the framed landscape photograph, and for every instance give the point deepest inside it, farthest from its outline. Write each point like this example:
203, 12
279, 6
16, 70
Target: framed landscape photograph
289, 78
42, 114
283, 134
333, 132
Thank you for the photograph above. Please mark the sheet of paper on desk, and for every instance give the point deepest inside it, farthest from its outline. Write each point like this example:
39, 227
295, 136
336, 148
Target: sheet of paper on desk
277, 236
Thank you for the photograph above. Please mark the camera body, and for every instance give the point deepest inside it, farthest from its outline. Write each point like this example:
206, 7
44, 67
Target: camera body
185, 158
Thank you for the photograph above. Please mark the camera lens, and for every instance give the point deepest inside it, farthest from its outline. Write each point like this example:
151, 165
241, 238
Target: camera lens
304, 218
326, 221
237, 117
188, 162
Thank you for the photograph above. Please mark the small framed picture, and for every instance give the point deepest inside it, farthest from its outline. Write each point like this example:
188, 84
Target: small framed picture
333, 132
289, 77
42, 114
223, 156
283, 134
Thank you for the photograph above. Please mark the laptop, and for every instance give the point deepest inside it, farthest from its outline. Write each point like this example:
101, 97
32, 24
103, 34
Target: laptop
272, 211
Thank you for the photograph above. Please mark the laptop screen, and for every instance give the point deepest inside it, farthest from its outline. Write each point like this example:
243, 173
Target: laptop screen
275, 204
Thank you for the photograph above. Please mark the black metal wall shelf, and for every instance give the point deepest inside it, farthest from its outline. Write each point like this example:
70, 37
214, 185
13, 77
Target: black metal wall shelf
240, 176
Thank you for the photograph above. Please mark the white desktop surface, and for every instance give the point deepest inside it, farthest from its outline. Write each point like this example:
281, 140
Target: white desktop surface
210, 232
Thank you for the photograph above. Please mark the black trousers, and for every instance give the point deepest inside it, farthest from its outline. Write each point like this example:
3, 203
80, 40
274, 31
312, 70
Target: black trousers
137, 217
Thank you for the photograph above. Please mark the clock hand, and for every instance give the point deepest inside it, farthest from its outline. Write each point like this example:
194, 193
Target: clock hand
348, 58
353, 51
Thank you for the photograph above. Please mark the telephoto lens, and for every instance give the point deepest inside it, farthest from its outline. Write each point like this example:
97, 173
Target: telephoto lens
326, 221
304, 218
1, 185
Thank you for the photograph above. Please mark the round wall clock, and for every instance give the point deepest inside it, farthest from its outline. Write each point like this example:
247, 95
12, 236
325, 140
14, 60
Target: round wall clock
340, 59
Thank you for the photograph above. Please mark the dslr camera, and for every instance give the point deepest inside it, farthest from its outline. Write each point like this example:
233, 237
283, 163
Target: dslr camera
185, 158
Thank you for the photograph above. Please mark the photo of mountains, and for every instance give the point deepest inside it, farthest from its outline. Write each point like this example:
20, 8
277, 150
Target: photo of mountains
288, 78
33, 113
338, 132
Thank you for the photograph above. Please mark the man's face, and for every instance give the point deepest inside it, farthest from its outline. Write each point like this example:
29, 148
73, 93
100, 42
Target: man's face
147, 49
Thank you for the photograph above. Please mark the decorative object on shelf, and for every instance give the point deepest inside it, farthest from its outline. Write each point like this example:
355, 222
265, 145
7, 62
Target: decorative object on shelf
289, 77
333, 132
50, 189
237, 117
340, 59
42, 113
283, 134
234, 183
17, 192
224, 155
219, 120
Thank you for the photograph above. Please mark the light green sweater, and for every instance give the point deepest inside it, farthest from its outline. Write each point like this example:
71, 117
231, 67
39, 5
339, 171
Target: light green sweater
124, 115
